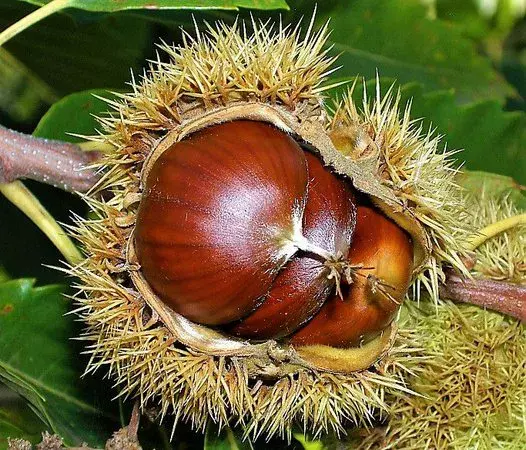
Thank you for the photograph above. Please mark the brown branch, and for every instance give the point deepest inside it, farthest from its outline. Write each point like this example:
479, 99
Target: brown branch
133, 426
57, 163
501, 296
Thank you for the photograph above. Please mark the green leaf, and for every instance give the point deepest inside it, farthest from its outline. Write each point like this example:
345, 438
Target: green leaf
478, 20
513, 62
496, 184
111, 6
39, 361
397, 39
466, 16
72, 56
307, 443
492, 140
73, 114
23, 93
17, 420
225, 439
4, 276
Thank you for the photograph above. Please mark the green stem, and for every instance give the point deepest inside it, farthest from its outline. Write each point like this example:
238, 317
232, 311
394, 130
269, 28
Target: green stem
22, 198
36, 16
95, 146
494, 229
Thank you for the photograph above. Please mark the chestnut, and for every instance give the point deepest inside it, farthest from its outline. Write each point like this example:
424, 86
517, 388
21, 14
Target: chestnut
230, 232
218, 216
305, 282
381, 258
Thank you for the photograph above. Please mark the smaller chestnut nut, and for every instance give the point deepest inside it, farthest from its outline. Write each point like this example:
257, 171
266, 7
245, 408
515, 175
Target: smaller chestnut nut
305, 282
381, 256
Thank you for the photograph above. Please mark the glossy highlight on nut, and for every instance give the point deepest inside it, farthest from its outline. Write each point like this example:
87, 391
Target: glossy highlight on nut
240, 227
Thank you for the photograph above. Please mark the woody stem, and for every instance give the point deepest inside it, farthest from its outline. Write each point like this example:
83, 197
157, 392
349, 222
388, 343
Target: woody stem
60, 164
53, 162
501, 296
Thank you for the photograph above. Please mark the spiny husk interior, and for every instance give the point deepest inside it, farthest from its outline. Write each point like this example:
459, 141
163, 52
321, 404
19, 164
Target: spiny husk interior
124, 336
409, 161
128, 342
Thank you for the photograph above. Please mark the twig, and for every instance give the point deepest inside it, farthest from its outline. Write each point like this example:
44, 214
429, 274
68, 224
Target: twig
24, 200
36, 16
60, 164
504, 297
133, 426
53, 162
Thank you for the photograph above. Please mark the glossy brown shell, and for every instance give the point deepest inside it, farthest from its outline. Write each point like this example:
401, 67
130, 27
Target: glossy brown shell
216, 211
385, 253
303, 285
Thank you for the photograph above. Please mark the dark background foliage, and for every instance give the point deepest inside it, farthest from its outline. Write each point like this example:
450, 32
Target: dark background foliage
463, 66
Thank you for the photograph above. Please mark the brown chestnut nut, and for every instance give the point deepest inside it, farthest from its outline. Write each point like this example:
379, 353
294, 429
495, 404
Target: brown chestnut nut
382, 256
305, 282
217, 216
